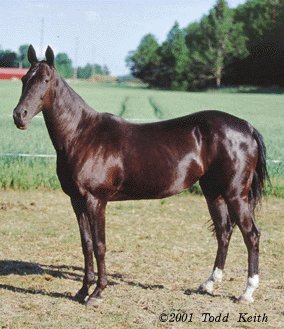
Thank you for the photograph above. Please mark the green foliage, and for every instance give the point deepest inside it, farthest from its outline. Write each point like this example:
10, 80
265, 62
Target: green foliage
23, 56
106, 71
197, 53
263, 27
163, 66
28, 173
63, 65
260, 19
12, 59
145, 51
200, 54
222, 40
98, 69
175, 54
87, 71
144, 60
8, 58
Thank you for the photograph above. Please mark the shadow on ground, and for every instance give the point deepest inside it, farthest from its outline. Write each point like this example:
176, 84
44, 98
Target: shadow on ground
8, 267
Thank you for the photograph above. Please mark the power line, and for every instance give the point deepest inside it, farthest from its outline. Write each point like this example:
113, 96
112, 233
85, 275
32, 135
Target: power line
41, 37
76, 58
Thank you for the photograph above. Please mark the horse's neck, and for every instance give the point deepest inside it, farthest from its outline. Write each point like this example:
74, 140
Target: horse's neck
63, 118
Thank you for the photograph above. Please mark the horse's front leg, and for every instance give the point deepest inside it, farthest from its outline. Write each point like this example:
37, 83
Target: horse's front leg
79, 206
96, 214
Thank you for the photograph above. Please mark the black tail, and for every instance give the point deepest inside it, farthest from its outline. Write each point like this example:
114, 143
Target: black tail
260, 173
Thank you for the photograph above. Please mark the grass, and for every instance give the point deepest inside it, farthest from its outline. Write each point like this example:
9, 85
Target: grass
264, 111
25, 173
158, 253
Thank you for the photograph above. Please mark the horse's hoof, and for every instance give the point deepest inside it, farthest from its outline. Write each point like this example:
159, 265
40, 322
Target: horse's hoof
245, 300
94, 302
206, 288
80, 297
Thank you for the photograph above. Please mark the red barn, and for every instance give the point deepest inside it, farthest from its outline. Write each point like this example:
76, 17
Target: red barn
7, 73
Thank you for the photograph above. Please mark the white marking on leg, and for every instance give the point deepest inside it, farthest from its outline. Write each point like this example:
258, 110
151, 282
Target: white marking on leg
208, 285
252, 284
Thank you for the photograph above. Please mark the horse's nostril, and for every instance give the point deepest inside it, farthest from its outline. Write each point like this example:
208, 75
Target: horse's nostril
25, 112
17, 115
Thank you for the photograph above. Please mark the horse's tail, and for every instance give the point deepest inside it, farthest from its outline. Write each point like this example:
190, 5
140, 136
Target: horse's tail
260, 173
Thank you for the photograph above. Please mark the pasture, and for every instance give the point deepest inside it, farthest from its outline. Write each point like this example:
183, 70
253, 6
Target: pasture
158, 252
264, 111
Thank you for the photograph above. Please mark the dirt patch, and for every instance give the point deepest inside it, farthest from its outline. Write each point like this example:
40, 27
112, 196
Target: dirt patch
19, 205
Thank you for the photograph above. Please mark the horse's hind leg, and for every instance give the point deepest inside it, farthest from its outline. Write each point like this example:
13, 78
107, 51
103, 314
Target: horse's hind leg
223, 229
240, 212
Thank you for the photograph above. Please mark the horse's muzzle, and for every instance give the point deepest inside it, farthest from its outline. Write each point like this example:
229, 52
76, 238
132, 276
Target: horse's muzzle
20, 118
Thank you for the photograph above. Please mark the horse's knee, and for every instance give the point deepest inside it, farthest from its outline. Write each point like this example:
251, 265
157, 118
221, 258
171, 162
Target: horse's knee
87, 247
100, 250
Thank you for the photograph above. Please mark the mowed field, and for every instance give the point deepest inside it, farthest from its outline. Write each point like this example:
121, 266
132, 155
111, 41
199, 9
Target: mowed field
158, 252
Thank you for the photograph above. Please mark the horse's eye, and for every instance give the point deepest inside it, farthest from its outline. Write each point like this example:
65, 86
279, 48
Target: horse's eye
46, 80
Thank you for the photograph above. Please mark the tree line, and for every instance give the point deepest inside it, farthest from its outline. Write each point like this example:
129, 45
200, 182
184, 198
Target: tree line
62, 63
228, 46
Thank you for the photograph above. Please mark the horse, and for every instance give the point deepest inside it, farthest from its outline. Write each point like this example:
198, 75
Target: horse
102, 157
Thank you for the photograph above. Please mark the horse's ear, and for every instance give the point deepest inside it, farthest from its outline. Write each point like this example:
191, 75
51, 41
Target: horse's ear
49, 55
32, 55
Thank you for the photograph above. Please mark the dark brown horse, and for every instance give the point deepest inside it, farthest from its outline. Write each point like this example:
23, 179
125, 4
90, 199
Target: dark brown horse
102, 157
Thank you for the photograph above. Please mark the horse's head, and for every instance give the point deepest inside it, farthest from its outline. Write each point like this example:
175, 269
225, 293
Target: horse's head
36, 91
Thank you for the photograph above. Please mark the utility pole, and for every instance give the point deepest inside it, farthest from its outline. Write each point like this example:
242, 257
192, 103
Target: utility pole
41, 38
93, 64
76, 58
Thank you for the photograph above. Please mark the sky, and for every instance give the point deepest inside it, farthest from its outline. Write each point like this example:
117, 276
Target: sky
100, 31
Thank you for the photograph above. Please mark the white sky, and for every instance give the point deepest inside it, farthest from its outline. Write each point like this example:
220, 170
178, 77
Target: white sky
106, 29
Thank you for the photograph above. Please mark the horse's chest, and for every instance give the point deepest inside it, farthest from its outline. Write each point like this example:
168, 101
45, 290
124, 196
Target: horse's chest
65, 177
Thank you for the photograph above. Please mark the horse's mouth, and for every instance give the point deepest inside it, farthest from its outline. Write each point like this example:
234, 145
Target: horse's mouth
21, 126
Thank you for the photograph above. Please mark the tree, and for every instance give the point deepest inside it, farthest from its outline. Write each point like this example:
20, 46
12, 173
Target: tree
164, 66
85, 72
263, 26
259, 18
98, 69
8, 58
143, 61
175, 57
106, 70
23, 57
63, 65
222, 40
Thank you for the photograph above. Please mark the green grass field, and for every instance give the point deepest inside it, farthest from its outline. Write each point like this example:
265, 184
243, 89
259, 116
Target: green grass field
264, 111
